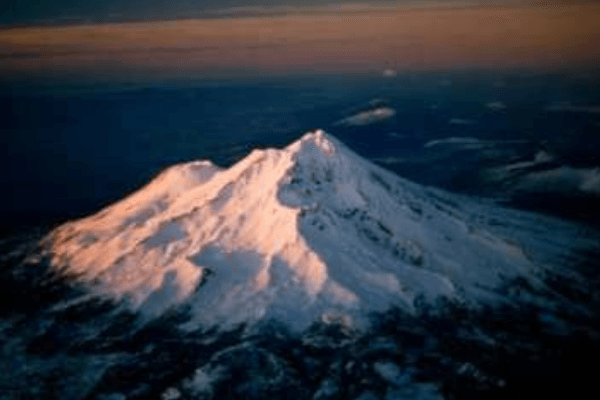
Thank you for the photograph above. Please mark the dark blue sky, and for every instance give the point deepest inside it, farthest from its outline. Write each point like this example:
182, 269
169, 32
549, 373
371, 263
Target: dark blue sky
32, 11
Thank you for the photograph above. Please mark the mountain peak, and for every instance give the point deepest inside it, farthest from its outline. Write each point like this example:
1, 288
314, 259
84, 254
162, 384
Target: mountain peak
320, 140
309, 232
314, 144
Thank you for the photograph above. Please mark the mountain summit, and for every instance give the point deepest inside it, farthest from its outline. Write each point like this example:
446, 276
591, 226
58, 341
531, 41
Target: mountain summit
309, 232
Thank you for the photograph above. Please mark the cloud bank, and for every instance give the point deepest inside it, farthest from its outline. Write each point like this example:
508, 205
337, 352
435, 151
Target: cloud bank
363, 40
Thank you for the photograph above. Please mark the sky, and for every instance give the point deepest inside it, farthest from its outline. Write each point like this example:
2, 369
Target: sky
14, 12
242, 36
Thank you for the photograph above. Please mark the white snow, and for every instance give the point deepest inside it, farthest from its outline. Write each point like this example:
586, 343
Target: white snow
171, 394
391, 373
368, 395
203, 380
418, 391
327, 389
309, 232
402, 384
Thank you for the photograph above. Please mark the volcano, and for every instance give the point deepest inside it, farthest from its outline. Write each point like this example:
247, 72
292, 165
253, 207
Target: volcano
311, 232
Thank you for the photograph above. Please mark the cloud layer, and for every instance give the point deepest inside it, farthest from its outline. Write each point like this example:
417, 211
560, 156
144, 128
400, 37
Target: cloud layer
566, 106
364, 40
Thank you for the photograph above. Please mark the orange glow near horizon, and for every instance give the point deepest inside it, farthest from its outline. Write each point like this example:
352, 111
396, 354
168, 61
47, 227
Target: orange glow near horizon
430, 38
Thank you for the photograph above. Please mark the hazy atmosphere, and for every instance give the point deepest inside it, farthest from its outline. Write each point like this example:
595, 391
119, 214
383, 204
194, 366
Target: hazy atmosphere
286, 38
280, 200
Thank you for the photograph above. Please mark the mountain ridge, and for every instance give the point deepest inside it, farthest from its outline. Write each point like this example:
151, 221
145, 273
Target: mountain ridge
309, 232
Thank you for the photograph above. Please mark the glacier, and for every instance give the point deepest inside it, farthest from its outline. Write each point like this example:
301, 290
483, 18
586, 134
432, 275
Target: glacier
311, 232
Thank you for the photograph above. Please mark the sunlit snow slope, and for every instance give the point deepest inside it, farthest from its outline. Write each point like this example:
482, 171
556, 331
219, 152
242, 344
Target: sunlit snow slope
309, 232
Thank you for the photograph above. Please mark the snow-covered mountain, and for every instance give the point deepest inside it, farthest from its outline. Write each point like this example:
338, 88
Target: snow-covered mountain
309, 232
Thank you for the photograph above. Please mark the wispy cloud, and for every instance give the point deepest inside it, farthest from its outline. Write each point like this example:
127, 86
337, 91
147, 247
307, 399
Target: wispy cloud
368, 117
564, 178
392, 160
501, 173
462, 142
565, 106
496, 105
469, 143
397, 135
461, 121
